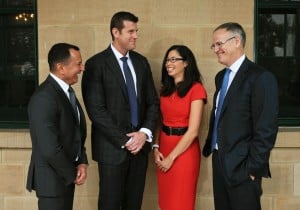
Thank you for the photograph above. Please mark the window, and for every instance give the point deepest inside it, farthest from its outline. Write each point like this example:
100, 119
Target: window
277, 49
18, 60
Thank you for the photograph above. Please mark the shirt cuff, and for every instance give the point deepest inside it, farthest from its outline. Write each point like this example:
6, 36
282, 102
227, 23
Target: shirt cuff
148, 134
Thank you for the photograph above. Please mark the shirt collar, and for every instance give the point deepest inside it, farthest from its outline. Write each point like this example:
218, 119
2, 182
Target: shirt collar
61, 83
237, 64
117, 53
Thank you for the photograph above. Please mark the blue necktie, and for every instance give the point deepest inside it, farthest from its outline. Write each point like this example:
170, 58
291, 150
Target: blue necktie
222, 94
131, 92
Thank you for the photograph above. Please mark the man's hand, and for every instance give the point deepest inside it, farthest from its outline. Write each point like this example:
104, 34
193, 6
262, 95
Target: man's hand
136, 143
81, 174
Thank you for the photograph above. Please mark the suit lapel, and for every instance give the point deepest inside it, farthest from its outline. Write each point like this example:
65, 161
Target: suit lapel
63, 96
58, 89
136, 66
240, 76
114, 67
218, 82
82, 120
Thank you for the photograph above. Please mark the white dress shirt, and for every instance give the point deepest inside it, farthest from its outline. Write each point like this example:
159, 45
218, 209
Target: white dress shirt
119, 56
234, 69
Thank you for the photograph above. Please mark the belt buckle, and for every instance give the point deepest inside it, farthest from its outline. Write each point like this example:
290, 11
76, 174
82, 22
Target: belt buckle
170, 129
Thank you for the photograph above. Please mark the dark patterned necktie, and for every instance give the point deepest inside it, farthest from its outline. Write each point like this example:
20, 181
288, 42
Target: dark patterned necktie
73, 101
77, 141
131, 92
222, 95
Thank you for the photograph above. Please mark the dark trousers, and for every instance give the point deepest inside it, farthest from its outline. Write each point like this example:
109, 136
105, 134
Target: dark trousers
244, 196
63, 202
122, 186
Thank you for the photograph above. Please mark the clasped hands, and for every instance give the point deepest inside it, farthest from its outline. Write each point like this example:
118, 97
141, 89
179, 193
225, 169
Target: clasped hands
136, 142
163, 163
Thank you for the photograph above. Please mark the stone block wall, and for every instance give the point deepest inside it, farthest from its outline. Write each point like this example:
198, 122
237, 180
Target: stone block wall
162, 24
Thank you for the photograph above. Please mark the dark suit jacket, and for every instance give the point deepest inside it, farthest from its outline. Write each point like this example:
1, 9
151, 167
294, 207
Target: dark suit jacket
247, 126
56, 138
107, 104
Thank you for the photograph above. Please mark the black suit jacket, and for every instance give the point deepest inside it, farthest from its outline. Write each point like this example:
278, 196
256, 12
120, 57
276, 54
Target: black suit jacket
56, 139
247, 126
107, 104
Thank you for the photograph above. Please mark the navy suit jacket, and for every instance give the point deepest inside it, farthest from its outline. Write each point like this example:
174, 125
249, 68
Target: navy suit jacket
56, 139
107, 104
247, 126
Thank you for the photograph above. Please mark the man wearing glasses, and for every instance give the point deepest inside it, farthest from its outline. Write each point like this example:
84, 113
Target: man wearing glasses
243, 123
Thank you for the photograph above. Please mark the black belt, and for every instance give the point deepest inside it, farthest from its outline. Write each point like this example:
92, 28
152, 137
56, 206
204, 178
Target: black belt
174, 131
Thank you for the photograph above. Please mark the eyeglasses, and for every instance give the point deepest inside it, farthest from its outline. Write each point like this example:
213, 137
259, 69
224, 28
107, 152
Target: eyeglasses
173, 60
220, 44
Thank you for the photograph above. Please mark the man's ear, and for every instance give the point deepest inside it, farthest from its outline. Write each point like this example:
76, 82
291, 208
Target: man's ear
60, 70
115, 32
238, 41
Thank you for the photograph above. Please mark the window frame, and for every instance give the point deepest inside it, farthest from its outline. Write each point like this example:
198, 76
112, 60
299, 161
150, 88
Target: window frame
289, 121
15, 123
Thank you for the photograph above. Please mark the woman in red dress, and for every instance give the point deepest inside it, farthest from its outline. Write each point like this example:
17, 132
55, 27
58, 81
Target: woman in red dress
177, 150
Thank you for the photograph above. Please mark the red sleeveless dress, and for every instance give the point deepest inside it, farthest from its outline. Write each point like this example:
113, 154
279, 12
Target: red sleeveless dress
177, 187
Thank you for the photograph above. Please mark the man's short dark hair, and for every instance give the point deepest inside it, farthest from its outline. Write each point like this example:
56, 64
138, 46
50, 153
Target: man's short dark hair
118, 18
58, 53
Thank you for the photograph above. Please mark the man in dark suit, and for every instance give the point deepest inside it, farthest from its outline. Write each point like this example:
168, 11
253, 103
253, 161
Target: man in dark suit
243, 124
123, 109
58, 132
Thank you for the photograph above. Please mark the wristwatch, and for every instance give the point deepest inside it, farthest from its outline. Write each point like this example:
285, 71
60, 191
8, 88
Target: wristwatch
155, 146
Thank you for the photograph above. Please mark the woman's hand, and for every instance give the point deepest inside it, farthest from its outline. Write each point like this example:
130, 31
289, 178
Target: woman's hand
166, 164
158, 156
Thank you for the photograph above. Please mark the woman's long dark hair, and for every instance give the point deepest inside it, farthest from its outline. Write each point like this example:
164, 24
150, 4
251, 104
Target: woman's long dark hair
191, 73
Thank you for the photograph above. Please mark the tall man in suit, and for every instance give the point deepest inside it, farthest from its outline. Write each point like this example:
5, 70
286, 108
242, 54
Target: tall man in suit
243, 131
58, 132
123, 109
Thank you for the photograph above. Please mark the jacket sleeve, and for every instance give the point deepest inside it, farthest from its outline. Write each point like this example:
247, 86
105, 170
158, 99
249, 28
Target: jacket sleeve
264, 113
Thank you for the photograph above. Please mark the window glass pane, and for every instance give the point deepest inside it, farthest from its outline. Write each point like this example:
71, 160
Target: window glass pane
15, 92
18, 80
19, 3
271, 35
20, 57
291, 35
18, 62
277, 41
1, 58
279, 34
287, 72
